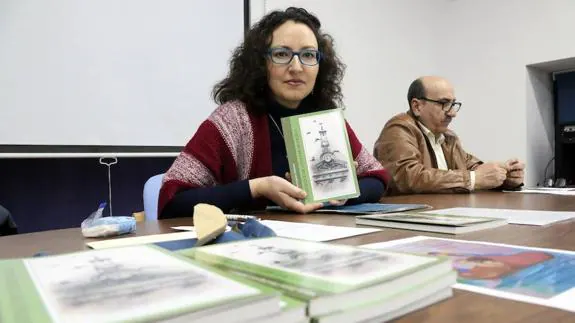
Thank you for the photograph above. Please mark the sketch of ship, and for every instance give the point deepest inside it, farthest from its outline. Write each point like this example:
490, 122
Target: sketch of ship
112, 282
326, 167
322, 261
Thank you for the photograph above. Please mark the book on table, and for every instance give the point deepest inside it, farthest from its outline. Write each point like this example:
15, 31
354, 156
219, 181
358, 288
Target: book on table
292, 311
362, 208
319, 155
338, 283
442, 223
393, 306
129, 284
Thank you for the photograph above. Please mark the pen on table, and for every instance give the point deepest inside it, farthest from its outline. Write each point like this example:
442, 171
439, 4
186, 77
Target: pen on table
240, 217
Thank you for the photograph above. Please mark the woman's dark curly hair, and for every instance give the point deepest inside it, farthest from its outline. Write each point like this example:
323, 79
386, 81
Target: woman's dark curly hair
247, 79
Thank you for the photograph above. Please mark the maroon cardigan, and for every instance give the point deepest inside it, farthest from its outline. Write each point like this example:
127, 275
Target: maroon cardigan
233, 145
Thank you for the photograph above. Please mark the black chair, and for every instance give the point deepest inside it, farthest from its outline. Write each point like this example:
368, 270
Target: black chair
7, 225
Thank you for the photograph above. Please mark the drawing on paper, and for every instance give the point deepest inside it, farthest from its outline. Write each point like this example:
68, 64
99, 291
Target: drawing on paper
517, 270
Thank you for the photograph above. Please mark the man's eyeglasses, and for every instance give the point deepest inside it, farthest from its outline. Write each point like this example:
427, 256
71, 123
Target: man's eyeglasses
284, 56
446, 106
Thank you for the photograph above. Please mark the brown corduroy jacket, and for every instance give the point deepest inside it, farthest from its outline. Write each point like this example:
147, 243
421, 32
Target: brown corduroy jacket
405, 151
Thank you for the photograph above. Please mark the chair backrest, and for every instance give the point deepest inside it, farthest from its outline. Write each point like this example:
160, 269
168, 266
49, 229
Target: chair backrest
151, 194
7, 225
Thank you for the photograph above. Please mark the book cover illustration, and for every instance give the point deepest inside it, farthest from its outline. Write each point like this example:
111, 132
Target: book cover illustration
342, 264
125, 283
321, 156
536, 275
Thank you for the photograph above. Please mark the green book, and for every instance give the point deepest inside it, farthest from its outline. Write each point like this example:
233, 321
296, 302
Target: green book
131, 284
424, 221
319, 156
328, 277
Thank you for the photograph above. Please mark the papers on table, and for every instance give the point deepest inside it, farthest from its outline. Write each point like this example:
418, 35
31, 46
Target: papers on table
362, 208
566, 191
134, 241
191, 228
307, 231
527, 217
534, 275
314, 232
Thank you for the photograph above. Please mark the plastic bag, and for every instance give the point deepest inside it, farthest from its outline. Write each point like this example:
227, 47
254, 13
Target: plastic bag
98, 226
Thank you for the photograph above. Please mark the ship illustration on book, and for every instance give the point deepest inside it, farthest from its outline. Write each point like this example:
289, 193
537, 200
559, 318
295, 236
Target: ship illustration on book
322, 261
326, 167
114, 281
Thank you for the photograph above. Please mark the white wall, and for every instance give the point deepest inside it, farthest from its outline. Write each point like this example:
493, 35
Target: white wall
483, 47
540, 124
507, 109
111, 72
385, 47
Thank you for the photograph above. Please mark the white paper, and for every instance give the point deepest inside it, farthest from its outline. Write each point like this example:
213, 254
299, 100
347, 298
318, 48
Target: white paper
184, 228
527, 217
547, 190
306, 231
191, 228
133, 241
314, 232
547, 279
122, 284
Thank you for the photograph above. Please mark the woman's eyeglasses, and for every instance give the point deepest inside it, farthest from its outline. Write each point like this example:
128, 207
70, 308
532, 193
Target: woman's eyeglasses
284, 56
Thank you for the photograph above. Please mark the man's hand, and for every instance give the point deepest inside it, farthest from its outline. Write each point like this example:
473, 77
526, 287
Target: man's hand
490, 175
281, 192
515, 173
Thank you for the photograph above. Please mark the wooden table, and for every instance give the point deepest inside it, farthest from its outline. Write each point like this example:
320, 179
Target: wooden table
463, 307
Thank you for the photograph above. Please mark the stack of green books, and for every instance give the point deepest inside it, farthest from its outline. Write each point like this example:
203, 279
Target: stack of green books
337, 283
132, 284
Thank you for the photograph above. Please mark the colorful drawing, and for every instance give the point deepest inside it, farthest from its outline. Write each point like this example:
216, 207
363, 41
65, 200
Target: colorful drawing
523, 271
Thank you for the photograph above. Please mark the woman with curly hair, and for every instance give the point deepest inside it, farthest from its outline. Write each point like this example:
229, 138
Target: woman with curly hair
237, 158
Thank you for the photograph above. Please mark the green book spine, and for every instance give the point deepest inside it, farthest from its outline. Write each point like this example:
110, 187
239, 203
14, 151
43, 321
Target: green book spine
292, 155
19, 298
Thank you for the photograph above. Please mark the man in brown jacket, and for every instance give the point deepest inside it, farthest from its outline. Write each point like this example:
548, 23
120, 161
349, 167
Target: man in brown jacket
424, 156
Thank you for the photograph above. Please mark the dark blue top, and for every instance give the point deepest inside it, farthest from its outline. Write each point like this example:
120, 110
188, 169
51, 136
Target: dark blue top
237, 195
